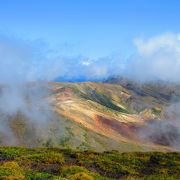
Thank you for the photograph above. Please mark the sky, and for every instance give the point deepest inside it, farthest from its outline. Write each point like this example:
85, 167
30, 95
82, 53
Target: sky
89, 39
92, 28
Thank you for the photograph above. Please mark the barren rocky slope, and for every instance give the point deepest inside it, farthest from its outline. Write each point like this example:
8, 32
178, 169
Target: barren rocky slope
97, 116
113, 114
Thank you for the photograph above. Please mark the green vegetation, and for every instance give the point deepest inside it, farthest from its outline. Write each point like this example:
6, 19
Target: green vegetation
11, 169
65, 164
103, 100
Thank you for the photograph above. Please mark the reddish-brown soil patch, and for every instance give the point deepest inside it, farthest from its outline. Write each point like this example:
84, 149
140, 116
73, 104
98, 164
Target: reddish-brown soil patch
127, 130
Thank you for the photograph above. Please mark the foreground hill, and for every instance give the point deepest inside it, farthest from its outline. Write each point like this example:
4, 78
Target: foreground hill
41, 164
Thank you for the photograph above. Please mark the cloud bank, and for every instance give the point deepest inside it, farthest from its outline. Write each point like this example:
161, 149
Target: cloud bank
166, 131
157, 58
23, 61
26, 116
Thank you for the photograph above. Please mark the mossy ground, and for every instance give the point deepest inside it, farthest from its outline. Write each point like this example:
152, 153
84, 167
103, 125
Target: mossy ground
54, 163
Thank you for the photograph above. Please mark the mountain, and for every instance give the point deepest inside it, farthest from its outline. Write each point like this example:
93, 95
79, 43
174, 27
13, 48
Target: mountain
161, 90
113, 115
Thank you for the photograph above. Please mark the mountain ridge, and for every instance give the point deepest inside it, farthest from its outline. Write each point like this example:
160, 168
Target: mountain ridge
97, 116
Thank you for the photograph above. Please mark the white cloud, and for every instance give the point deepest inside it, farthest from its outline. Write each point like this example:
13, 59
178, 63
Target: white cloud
166, 42
86, 62
157, 58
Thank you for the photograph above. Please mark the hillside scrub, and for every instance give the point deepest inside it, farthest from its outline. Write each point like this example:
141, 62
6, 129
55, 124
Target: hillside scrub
54, 163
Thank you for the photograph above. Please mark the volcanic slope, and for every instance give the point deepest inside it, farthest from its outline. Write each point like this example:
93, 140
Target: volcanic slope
96, 116
102, 116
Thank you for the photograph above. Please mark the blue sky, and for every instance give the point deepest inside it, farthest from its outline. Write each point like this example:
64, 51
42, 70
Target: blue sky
92, 28
89, 39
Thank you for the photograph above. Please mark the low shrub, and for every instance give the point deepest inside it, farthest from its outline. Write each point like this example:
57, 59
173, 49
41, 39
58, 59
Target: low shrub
71, 170
37, 175
63, 164
10, 153
11, 170
81, 176
44, 158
